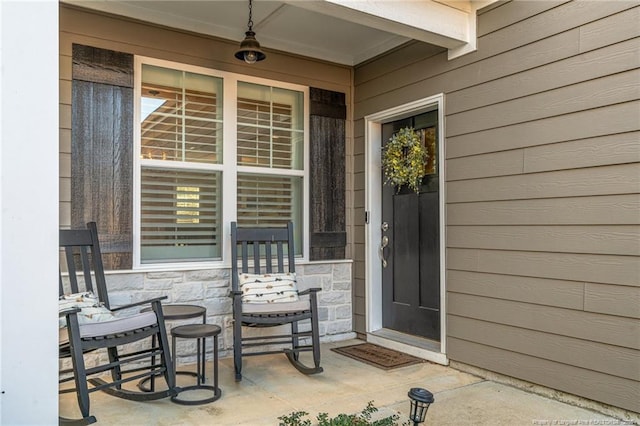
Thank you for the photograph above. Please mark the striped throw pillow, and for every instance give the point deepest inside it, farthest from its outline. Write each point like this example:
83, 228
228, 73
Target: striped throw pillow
91, 309
268, 288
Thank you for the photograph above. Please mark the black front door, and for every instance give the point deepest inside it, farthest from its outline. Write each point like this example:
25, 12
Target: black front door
410, 244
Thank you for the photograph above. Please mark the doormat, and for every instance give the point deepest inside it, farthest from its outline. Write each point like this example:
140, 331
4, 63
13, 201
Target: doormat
378, 356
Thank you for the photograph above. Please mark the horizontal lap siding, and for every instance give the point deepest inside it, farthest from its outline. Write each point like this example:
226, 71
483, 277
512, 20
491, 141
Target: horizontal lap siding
601, 92
622, 270
601, 387
550, 346
600, 239
585, 182
620, 118
592, 210
542, 190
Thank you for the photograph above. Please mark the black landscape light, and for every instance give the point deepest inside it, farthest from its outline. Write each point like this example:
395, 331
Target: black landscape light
421, 399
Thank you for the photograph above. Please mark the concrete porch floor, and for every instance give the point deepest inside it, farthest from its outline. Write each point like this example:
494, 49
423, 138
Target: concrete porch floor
271, 387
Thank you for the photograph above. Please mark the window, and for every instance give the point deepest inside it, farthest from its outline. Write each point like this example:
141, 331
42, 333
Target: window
180, 141
212, 149
180, 215
270, 141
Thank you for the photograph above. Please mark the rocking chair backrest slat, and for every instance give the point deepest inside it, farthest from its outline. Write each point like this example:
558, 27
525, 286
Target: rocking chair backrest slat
71, 267
245, 256
86, 268
269, 248
82, 246
256, 257
268, 257
291, 252
280, 257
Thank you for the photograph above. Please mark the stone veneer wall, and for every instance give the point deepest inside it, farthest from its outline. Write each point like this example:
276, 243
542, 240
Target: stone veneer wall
211, 287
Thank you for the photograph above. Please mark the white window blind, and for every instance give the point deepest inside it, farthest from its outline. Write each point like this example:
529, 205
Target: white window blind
180, 124
180, 215
268, 200
270, 135
181, 116
270, 129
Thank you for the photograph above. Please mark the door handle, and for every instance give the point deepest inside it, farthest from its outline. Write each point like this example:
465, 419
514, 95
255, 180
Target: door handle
384, 243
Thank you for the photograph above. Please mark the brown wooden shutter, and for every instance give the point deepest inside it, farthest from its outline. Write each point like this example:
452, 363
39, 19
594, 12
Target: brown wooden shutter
102, 149
328, 113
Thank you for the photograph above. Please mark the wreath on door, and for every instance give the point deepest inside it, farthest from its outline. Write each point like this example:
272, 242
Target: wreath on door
403, 160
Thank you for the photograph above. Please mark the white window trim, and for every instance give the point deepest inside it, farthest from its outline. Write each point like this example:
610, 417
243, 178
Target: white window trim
229, 167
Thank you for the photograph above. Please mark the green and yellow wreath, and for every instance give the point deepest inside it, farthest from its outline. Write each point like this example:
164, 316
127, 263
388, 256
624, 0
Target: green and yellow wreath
403, 160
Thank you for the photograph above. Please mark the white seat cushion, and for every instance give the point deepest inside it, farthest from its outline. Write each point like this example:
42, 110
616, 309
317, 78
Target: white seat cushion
118, 325
265, 308
96, 320
268, 288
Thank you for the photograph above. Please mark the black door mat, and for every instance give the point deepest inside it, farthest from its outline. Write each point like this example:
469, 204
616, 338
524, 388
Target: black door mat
378, 356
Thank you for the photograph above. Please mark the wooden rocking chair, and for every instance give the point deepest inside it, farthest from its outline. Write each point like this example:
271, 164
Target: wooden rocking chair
264, 295
90, 324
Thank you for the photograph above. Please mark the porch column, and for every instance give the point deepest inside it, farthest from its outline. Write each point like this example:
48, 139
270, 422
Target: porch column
28, 211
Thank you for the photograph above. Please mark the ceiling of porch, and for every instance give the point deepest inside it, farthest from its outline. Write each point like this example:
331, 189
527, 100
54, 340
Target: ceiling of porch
341, 31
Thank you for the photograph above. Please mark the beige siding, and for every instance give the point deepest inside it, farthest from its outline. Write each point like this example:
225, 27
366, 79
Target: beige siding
610, 149
573, 126
592, 64
540, 291
603, 180
601, 239
602, 387
617, 88
542, 190
612, 300
622, 270
619, 148
550, 211
512, 13
551, 346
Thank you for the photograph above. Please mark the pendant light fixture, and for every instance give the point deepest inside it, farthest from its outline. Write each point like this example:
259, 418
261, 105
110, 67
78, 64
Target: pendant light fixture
250, 51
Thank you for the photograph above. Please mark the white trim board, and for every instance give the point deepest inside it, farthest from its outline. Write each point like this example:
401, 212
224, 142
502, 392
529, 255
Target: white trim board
409, 346
373, 234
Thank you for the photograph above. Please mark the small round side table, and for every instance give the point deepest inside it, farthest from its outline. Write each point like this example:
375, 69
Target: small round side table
170, 313
181, 312
200, 332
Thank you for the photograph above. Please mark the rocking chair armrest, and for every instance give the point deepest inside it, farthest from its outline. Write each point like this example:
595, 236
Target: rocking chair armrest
144, 302
309, 290
68, 311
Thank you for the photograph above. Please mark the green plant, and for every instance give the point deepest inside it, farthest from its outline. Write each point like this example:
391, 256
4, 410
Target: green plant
403, 159
295, 419
361, 419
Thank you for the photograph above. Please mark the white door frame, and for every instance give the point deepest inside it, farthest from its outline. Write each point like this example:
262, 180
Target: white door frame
373, 233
